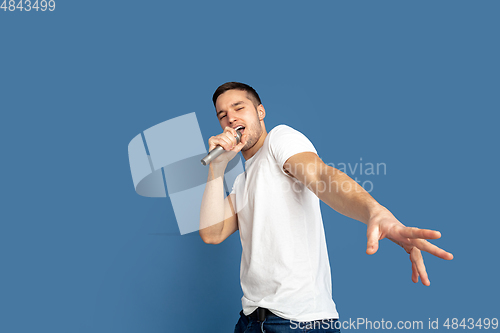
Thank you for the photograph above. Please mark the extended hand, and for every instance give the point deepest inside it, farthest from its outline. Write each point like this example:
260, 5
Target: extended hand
413, 240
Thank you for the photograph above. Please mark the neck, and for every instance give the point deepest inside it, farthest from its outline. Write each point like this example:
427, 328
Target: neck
252, 151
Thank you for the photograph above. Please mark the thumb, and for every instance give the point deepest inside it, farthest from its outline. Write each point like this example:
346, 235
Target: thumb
372, 236
241, 144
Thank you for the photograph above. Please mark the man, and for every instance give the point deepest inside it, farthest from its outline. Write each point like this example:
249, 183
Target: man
285, 272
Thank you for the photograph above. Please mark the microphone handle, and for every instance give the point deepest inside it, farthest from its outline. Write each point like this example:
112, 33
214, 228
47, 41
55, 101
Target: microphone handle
214, 153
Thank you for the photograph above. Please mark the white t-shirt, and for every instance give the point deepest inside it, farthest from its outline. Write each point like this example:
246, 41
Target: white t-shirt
284, 263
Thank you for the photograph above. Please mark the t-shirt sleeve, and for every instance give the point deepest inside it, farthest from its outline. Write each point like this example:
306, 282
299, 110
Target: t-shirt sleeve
286, 142
233, 190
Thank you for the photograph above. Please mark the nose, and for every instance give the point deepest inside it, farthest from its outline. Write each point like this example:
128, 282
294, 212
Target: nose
231, 117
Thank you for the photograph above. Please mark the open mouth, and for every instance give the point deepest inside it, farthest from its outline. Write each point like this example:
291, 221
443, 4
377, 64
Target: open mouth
240, 128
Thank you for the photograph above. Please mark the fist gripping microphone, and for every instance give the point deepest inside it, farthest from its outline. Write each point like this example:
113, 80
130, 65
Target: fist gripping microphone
219, 150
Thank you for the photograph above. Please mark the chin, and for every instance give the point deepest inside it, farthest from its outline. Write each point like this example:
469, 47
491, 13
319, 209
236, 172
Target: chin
248, 145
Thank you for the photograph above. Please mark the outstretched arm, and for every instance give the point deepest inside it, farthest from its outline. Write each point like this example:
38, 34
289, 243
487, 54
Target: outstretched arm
342, 193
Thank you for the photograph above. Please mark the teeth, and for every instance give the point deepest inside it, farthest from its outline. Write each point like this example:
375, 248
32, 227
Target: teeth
239, 127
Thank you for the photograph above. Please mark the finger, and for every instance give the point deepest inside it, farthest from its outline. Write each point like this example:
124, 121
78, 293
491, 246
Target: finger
230, 138
428, 247
232, 135
373, 236
212, 143
414, 273
221, 140
230, 130
242, 142
416, 257
410, 232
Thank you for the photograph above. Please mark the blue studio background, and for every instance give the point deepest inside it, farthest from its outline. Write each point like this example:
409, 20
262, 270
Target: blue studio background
412, 84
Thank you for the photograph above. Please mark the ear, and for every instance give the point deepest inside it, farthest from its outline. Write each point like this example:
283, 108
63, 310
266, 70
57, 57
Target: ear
261, 112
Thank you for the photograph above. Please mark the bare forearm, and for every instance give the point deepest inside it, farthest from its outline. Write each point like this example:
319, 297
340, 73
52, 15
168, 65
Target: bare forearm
346, 196
212, 205
333, 187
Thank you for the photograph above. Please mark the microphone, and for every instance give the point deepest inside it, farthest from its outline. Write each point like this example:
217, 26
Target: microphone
218, 150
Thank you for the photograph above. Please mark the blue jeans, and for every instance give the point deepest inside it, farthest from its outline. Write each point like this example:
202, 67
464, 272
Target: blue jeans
275, 324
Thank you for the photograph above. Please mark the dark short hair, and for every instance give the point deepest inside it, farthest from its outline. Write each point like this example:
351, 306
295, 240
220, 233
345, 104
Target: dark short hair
252, 94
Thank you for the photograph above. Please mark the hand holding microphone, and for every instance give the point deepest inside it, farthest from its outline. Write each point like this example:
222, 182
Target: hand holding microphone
227, 141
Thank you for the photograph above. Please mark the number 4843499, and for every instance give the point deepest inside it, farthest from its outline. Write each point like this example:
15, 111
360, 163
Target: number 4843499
484, 323
27, 5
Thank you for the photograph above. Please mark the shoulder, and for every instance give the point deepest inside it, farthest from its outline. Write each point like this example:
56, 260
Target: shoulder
285, 133
283, 129
284, 142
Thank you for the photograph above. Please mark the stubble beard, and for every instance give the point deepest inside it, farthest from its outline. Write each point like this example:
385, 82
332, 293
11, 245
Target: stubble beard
253, 137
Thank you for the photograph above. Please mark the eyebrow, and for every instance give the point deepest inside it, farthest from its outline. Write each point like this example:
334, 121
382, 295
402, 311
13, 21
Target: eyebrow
232, 105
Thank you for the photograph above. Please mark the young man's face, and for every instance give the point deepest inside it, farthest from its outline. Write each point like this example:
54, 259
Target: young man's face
234, 109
